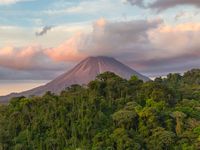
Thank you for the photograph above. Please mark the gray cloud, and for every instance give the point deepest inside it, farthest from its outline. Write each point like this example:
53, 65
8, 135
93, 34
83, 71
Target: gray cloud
47, 72
10, 74
108, 37
139, 3
44, 30
161, 5
162, 66
179, 15
172, 50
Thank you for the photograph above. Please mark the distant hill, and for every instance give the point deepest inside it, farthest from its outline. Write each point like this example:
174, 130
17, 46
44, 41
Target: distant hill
82, 73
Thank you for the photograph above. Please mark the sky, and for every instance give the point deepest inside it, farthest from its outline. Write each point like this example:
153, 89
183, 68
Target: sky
40, 39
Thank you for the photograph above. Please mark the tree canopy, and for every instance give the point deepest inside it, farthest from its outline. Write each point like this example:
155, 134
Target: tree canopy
110, 113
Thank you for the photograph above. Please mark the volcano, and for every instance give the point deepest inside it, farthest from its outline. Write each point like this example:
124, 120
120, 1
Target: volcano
82, 73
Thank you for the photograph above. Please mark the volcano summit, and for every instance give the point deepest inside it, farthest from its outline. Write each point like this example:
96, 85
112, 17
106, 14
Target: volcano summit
82, 73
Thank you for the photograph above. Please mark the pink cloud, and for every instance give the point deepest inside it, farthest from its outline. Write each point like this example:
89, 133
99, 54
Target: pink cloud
67, 51
175, 40
100, 23
20, 58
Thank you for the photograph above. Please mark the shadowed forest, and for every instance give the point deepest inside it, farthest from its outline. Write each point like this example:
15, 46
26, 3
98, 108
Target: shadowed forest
110, 113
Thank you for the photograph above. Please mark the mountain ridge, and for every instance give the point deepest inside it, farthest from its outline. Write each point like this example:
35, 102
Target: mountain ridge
84, 72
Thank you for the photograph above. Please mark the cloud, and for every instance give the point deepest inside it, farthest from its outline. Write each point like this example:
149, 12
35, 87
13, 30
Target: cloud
28, 58
84, 7
10, 74
180, 15
44, 30
107, 36
139, 3
29, 63
67, 51
185, 15
161, 5
21, 58
22, 36
149, 46
172, 49
8, 2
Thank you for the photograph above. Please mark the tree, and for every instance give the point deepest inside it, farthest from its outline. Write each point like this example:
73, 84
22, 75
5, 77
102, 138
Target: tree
179, 116
125, 119
122, 140
160, 139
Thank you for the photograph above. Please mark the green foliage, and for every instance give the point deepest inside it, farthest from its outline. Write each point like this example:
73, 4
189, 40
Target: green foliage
160, 139
111, 113
125, 119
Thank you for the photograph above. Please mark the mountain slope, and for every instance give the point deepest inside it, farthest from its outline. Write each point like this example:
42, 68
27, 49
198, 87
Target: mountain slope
82, 73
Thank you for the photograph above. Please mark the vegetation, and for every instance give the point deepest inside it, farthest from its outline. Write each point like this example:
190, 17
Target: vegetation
111, 113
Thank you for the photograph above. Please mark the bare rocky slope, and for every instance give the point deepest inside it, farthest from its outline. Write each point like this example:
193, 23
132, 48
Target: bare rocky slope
82, 73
